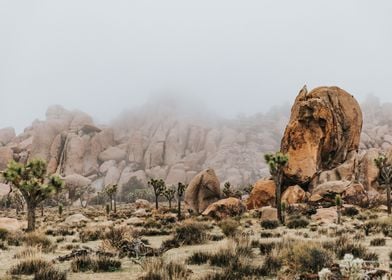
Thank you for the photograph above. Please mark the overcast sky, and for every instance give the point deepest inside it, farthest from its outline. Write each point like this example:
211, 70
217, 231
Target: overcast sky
237, 56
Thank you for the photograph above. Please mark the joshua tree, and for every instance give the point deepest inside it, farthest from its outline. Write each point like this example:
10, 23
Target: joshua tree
33, 183
338, 203
169, 193
385, 177
159, 187
180, 192
276, 162
283, 205
228, 191
111, 191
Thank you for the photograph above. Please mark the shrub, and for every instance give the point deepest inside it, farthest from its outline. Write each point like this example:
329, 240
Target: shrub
297, 222
90, 234
304, 256
269, 224
378, 242
50, 273
106, 264
266, 234
35, 239
82, 264
115, 235
191, 233
271, 265
29, 266
350, 211
229, 226
198, 258
158, 269
266, 248
3, 233
28, 252
346, 245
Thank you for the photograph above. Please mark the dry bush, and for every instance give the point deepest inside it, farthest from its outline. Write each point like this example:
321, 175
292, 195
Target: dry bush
90, 234
346, 245
28, 252
297, 222
303, 256
191, 233
269, 224
96, 264
229, 226
29, 266
50, 273
378, 242
158, 269
38, 239
3, 234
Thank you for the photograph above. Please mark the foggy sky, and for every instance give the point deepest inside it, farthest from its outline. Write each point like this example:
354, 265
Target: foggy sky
236, 56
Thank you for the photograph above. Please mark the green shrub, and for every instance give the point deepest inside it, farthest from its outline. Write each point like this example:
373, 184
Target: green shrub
269, 224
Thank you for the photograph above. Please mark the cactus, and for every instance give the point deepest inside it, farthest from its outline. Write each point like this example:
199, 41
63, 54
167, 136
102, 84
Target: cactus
276, 162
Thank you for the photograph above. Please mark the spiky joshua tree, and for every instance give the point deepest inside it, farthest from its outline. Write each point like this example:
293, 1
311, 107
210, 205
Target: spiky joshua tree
33, 183
159, 187
169, 193
385, 177
276, 162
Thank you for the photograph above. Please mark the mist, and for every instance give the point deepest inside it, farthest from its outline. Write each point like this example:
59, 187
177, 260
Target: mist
234, 57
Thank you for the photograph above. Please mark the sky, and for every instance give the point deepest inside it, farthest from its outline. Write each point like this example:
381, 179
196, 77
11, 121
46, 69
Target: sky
103, 57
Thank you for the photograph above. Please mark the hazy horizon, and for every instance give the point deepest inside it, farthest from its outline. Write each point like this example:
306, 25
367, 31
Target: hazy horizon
236, 57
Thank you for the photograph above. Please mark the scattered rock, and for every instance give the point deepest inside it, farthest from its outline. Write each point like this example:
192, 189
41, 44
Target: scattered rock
325, 215
294, 194
229, 207
76, 219
268, 213
142, 203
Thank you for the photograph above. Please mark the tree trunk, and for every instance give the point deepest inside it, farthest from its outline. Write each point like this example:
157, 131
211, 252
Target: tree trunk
278, 194
179, 208
42, 209
115, 204
30, 217
156, 202
389, 199
170, 203
339, 214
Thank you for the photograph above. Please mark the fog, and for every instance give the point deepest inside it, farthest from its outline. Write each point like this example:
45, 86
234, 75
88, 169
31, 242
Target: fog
103, 57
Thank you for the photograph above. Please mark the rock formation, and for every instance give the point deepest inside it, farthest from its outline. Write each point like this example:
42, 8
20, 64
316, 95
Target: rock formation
203, 190
324, 127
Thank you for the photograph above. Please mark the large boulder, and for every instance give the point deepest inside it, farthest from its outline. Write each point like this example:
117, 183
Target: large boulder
263, 194
228, 207
329, 190
203, 190
324, 127
293, 195
368, 171
356, 194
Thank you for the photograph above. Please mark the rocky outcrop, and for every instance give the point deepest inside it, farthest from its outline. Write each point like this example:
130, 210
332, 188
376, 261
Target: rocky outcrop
6, 135
324, 127
263, 194
203, 190
293, 195
228, 207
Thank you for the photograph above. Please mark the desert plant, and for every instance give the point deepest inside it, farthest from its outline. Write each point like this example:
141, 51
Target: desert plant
297, 222
29, 266
266, 247
229, 192
111, 192
229, 226
269, 224
351, 268
37, 239
271, 265
33, 183
385, 177
276, 162
378, 242
191, 233
350, 211
3, 233
180, 192
50, 273
106, 264
60, 210
198, 258
158, 269
82, 264
169, 193
338, 203
158, 187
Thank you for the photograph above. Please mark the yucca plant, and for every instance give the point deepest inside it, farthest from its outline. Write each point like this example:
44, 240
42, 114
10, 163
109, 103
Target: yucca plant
34, 184
180, 192
111, 192
385, 177
169, 193
159, 187
276, 162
